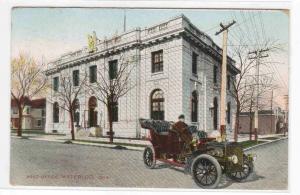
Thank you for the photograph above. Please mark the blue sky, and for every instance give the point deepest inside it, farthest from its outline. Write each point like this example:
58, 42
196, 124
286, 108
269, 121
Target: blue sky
50, 32
75, 23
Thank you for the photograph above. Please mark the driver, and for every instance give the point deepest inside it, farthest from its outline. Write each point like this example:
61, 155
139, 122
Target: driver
182, 129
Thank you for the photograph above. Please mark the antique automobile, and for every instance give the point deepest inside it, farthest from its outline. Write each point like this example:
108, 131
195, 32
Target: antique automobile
206, 159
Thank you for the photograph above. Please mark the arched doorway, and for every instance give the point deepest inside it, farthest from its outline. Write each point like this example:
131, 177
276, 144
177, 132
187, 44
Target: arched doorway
215, 113
92, 112
157, 105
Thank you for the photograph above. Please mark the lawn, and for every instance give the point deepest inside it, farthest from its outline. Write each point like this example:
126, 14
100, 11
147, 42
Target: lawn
248, 143
270, 138
115, 143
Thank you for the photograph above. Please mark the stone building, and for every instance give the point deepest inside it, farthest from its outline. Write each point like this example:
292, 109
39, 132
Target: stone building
176, 70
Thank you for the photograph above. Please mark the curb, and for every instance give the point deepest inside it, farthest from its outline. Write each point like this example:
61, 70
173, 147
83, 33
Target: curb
129, 147
268, 142
112, 146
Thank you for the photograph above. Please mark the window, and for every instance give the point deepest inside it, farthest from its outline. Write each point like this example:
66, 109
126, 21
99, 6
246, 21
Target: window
194, 113
15, 111
194, 63
55, 112
115, 110
228, 82
93, 114
76, 78
113, 69
39, 123
93, 74
215, 113
76, 115
157, 61
43, 112
157, 105
215, 74
55, 83
27, 110
228, 112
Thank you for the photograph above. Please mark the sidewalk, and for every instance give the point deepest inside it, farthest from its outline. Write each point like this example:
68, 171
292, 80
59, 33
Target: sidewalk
121, 143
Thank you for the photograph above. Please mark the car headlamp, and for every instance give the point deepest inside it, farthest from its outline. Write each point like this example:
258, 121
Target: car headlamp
234, 159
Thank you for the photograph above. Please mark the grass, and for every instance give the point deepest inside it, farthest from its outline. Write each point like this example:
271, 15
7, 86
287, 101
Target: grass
115, 143
248, 143
270, 138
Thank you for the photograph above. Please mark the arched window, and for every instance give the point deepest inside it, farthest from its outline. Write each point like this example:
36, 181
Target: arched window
215, 113
157, 105
76, 113
228, 112
194, 111
92, 112
55, 112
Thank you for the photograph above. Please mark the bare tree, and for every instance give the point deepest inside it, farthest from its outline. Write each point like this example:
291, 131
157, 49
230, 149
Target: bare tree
27, 82
243, 82
113, 83
265, 86
70, 86
240, 86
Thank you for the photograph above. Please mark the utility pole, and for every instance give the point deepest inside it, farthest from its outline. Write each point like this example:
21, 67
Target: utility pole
258, 54
272, 112
124, 20
224, 29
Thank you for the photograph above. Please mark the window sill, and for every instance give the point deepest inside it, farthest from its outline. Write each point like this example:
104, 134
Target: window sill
195, 75
157, 73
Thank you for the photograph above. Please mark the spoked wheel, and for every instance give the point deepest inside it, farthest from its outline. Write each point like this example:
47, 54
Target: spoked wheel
206, 171
241, 175
149, 157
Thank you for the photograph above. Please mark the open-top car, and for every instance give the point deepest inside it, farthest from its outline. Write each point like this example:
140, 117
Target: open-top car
206, 159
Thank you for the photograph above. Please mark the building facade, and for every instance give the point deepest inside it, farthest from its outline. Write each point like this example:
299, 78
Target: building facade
34, 115
175, 70
269, 122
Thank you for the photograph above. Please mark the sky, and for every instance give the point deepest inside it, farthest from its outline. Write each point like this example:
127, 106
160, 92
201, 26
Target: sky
47, 33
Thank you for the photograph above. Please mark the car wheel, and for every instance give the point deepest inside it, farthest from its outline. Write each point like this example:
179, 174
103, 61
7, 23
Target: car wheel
241, 175
149, 157
206, 171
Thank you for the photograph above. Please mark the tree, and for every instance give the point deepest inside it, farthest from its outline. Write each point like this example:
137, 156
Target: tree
67, 92
113, 83
265, 86
243, 84
240, 86
27, 81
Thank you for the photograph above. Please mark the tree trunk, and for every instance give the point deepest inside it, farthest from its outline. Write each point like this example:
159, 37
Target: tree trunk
72, 124
19, 130
237, 121
109, 110
250, 125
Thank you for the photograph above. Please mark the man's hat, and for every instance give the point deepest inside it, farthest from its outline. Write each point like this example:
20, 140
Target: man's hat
181, 116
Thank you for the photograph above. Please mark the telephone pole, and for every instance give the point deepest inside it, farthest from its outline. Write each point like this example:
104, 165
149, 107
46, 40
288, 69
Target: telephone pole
224, 29
124, 22
272, 112
258, 54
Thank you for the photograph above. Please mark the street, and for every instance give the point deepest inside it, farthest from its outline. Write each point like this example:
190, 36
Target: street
42, 163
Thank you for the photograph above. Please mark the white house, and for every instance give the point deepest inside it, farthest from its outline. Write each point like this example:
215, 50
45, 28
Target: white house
176, 70
33, 114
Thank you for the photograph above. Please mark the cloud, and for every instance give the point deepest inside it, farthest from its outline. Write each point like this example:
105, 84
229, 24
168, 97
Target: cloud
44, 48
